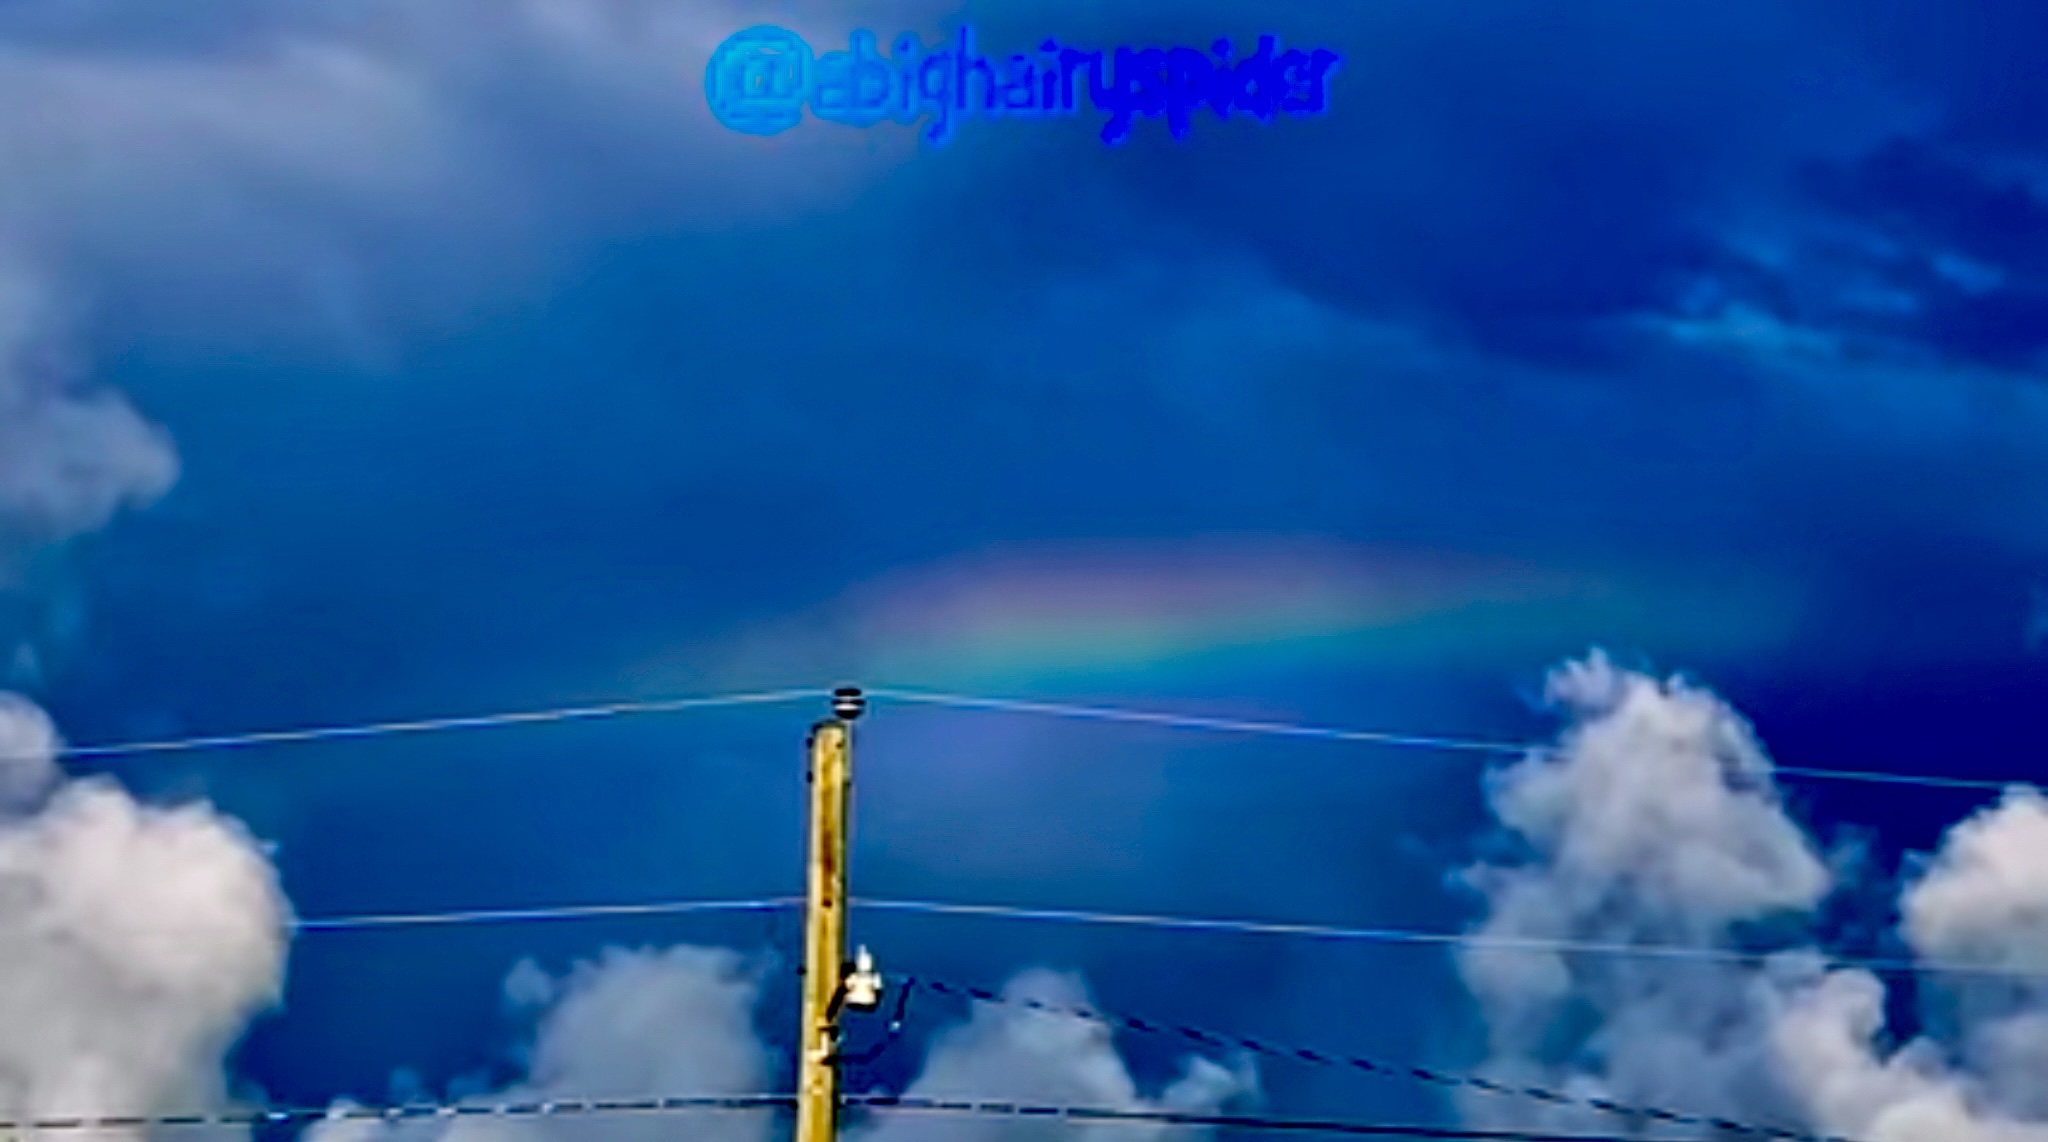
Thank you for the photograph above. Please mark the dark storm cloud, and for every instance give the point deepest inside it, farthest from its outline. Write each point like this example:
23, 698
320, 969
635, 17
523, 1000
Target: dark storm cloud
1523, 175
1515, 172
1958, 249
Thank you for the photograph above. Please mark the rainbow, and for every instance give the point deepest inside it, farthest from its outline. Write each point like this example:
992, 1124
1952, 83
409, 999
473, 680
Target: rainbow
1043, 617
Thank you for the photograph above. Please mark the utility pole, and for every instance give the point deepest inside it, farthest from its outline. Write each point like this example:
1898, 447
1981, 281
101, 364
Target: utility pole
830, 983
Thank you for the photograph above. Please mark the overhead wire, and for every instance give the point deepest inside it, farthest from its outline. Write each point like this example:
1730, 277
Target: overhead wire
567, 1106
570, 1107
1442, 743
532, 915
1370, 737
1428, 1075
1382, 935
1011, 705
353, 1112
1060, 1113
1197, 722
1086, 1115
1877, 964
433, 725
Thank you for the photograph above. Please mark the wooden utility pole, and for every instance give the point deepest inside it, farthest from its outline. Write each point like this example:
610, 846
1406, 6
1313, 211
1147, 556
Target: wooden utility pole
828, 984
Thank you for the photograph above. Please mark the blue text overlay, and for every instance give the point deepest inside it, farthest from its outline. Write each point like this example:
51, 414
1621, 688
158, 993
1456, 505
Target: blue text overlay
761, 81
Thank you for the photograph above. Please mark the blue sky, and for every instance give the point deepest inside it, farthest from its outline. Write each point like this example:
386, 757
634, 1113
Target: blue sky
498, 375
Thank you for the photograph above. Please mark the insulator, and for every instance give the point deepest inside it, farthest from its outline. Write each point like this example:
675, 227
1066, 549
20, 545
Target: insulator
848, 702
863, 983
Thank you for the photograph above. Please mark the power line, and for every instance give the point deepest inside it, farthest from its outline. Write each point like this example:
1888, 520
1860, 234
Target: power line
1066, 1115
532, 915
1370, 737
1413, 936
1087, 1115
1388, 1070
932, 698
590, 1107
531, 1108
1198, 722
434, 725
1877, 964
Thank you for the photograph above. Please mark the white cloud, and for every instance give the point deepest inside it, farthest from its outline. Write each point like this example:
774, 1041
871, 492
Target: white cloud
1011, 1052
630, 1024
1983, 900
135, 941
1655, 821
680, 1022
1825, 1035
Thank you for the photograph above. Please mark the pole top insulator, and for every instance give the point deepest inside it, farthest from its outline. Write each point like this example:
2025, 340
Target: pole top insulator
848, 702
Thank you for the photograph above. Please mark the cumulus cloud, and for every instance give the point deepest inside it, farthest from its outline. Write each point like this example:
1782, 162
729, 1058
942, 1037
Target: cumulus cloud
136, 941
1006, 1051
1655, 820
1827, 1036
679, 1021
1983, 900
1982, 903
631, 1023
